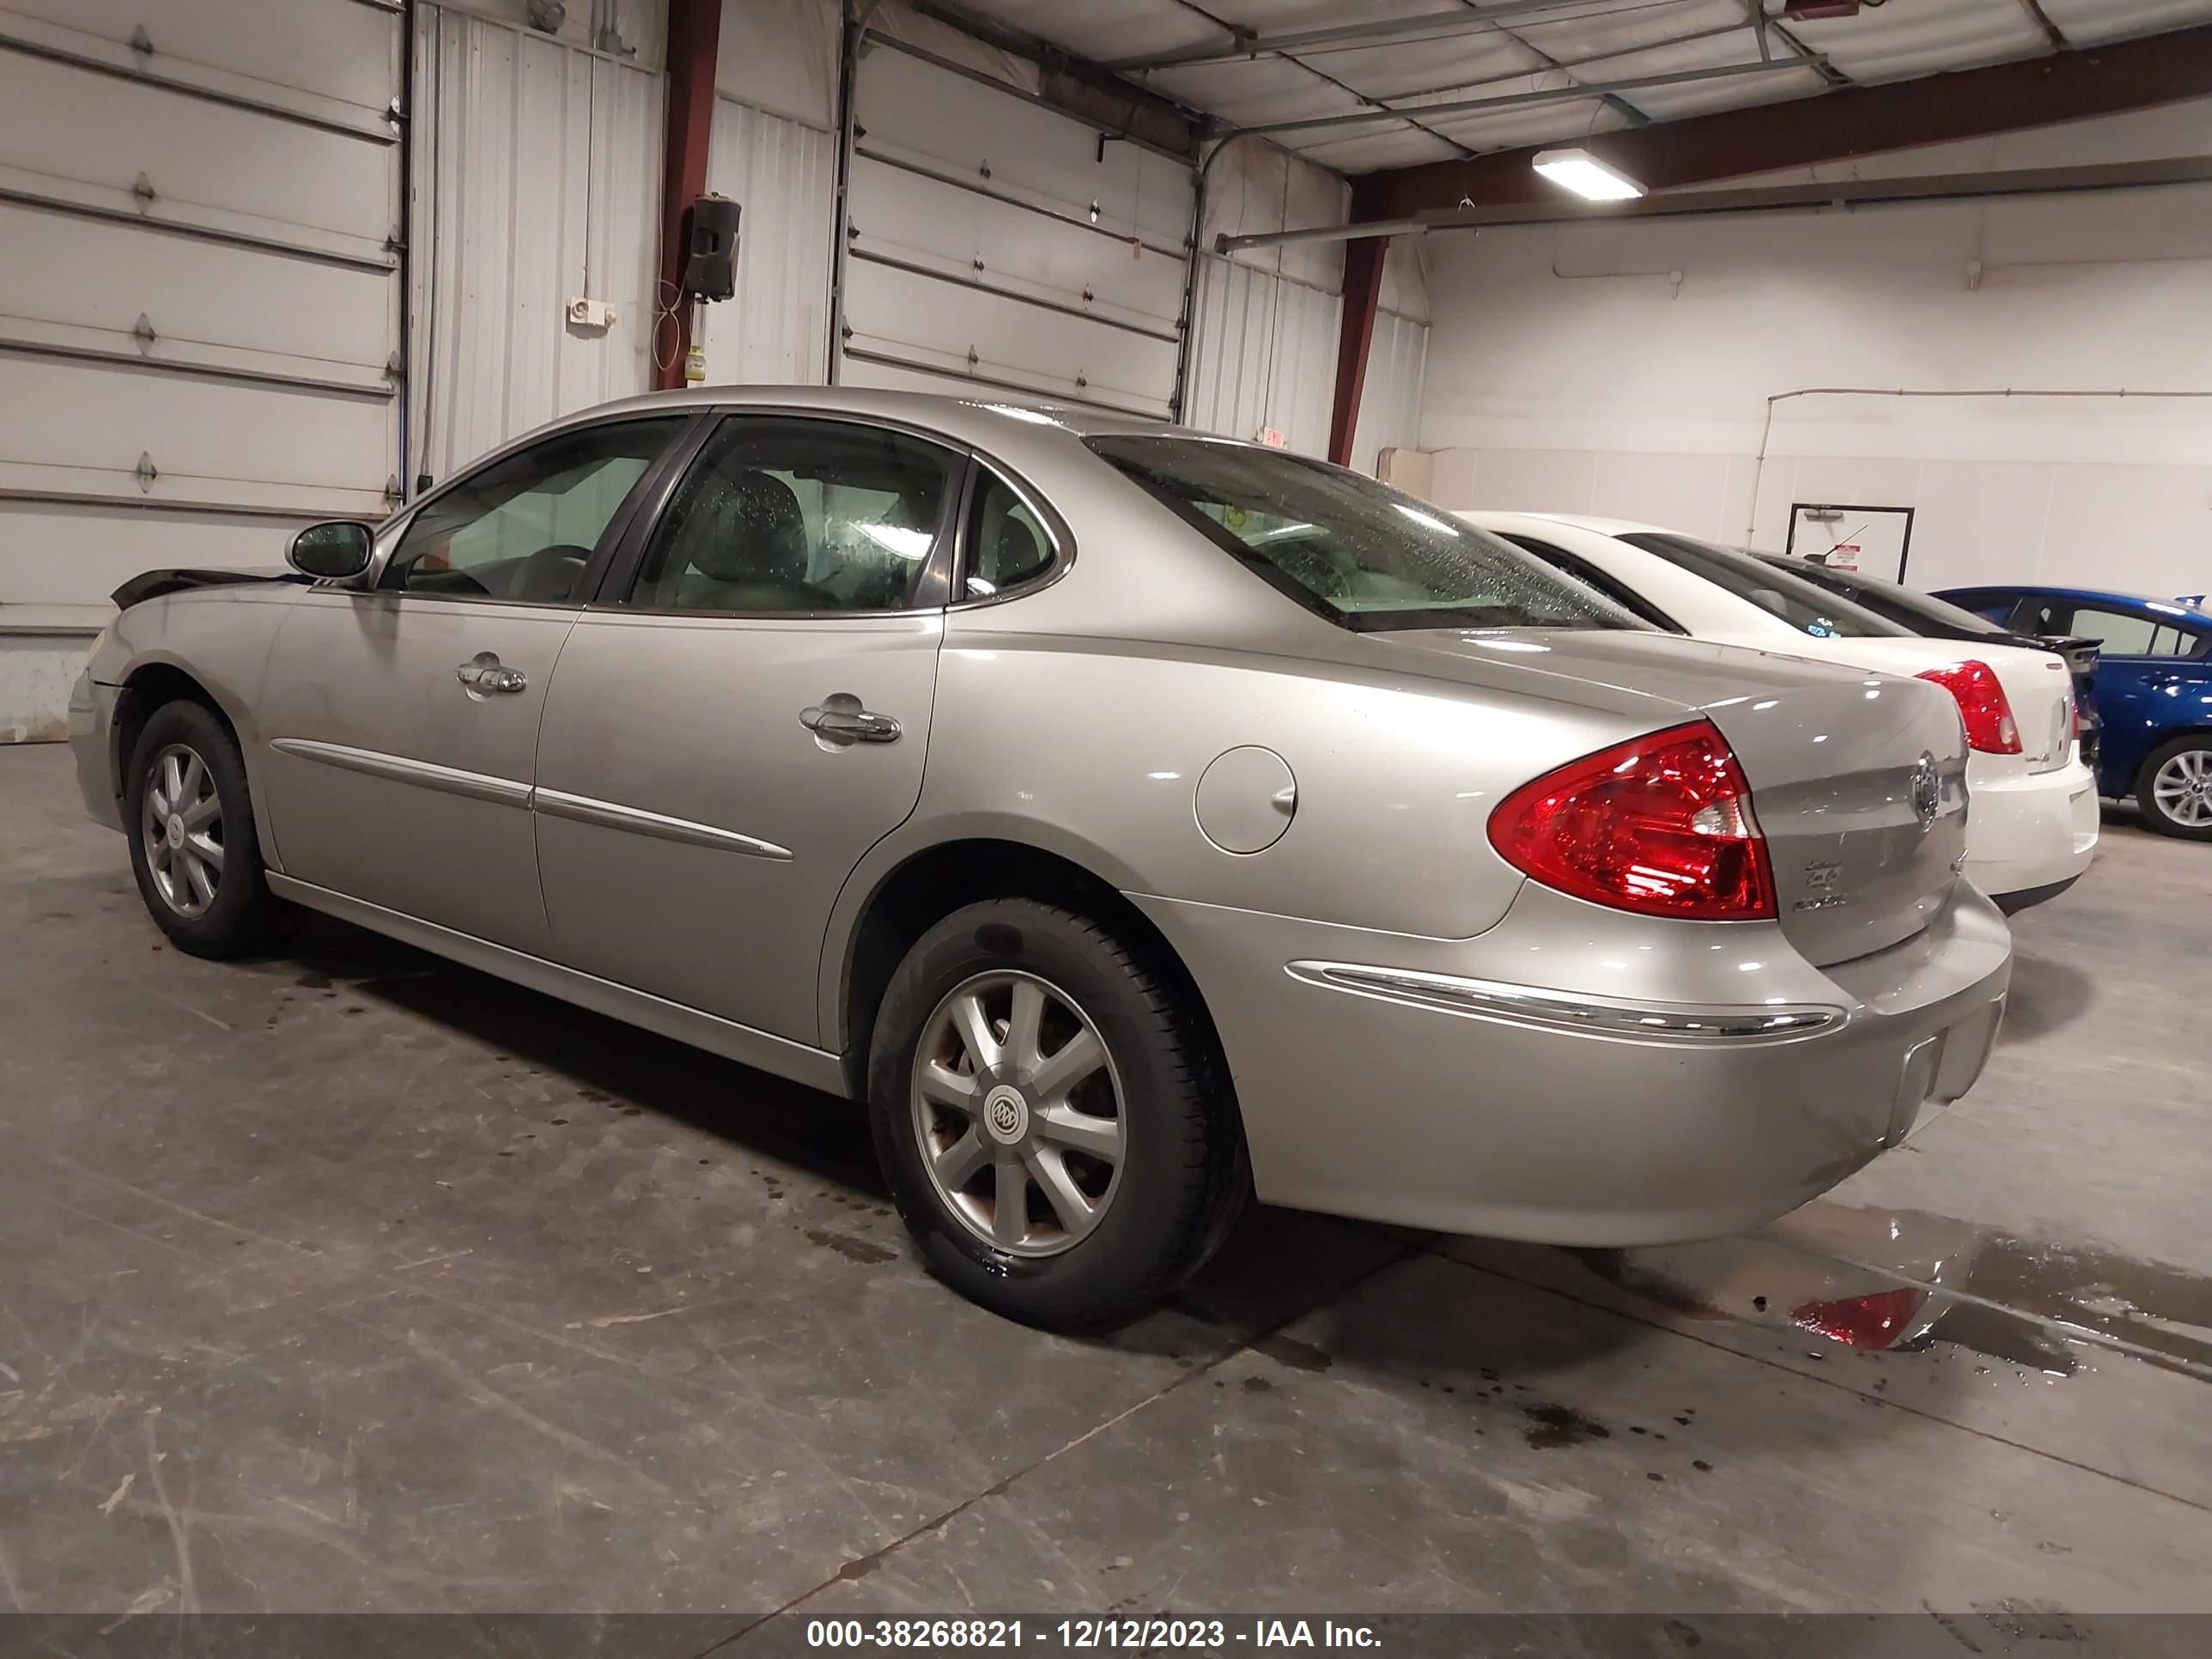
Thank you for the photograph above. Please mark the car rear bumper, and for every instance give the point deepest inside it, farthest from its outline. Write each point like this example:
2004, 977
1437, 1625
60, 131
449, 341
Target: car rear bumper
1433, 1096
92, 740
2029, 830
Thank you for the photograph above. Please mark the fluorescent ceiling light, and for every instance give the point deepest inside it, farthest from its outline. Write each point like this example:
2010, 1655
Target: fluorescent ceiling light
1579, 171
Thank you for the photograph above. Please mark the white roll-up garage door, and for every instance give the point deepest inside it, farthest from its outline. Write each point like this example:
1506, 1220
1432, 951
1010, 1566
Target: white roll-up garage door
993, 244
199, 321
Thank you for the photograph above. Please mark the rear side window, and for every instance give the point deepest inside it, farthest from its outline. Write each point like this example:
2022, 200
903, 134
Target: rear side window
2122, 635
1353, 550
1807, 609
798, 514
1008, 545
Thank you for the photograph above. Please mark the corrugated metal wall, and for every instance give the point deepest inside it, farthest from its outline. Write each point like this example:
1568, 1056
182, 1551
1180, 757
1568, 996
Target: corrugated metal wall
784, 173
536, 172
1264, 349
1390, 405
1265, 357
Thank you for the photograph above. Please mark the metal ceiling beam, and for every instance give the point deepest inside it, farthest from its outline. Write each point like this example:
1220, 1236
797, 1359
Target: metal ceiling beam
2041, 19
1858, 120
1353, 92
1612, 100
1246, 43
1077, 87
1771, 30
1568, 64
1841, 195
1587, 90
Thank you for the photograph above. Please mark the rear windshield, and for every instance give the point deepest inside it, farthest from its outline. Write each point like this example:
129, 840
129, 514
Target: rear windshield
1880, 591
1353, 550
1806, 608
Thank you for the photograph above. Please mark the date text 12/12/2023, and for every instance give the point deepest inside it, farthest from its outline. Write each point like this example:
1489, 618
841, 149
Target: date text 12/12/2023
1079, 1635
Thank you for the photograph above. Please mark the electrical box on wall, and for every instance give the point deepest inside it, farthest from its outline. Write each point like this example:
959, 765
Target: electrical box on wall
591, 313
710, 242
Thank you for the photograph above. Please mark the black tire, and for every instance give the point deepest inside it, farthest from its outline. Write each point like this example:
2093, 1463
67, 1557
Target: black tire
2155, 816
1180, 1175
241, 912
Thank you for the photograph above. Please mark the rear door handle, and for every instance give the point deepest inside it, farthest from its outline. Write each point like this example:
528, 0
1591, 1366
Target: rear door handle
484, 673
840, 719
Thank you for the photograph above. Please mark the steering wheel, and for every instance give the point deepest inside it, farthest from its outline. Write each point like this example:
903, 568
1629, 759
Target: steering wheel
550, 575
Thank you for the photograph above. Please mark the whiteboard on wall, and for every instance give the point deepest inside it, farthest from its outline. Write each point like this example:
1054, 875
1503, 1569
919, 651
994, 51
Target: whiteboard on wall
1874, 539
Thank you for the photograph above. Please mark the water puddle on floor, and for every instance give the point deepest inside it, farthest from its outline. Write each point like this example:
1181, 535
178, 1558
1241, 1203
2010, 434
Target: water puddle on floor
1904, 1281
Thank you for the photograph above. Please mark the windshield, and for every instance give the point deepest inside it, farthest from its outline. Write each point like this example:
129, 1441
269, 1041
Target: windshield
1879, 590
1808, 609
1356, 552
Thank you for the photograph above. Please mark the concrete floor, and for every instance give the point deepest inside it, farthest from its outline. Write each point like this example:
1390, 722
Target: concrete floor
352, 1280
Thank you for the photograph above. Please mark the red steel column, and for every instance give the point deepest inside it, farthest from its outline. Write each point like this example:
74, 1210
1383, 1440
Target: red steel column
694, 32
1363, 291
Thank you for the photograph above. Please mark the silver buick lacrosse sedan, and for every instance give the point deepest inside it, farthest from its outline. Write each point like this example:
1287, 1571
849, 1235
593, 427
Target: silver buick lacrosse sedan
1134, 820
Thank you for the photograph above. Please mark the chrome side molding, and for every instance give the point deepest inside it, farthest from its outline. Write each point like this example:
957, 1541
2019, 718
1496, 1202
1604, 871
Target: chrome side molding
507, 792
474, 785
607, 815
1524, 1005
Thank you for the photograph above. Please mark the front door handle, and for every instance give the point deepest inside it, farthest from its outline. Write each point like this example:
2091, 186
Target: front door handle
484, 673
840, 719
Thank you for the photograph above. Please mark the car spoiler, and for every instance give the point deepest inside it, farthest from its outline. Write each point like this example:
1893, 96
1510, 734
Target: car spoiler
155, 583
2080, 651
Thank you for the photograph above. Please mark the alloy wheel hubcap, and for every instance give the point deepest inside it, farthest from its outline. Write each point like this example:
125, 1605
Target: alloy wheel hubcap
182, 821
2183, 787
1017, 1113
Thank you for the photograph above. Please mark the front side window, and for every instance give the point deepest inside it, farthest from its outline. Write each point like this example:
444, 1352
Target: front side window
1007, 544
526, 526
784, 514
1806, 608
1353, 550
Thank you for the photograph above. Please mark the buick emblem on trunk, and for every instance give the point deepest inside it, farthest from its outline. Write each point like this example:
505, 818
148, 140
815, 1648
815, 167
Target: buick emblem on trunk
1927, 792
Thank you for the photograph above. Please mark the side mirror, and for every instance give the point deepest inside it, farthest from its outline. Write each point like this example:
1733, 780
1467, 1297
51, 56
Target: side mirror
331, 552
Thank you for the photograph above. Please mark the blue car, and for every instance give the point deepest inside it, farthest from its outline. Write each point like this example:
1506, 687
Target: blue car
2153, 689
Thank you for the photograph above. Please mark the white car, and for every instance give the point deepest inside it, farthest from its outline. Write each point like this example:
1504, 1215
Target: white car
2034, 817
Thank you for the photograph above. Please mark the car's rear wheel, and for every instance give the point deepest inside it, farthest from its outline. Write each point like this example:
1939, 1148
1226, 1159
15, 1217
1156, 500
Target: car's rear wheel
1049, 1117
2174, 788
192, 843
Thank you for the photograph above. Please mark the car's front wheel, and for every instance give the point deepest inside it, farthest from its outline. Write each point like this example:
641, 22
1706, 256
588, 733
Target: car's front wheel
2175, 788
192, 843
1049, 1117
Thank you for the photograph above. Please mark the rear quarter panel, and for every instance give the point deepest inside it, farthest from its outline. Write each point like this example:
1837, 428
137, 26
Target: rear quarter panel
1106, 743
1096, 749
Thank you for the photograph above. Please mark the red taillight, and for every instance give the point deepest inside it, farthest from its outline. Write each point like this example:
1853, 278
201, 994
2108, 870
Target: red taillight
1661, 825
1982, 705
2073, 717
1863, 1321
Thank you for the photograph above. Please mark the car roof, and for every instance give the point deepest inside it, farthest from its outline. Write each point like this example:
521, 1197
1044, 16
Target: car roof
951, 411
2195, 616
1575, 521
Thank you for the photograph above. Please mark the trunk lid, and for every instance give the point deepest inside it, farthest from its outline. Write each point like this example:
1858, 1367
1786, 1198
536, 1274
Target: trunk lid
1858, 778
2039, 686
1860, 788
